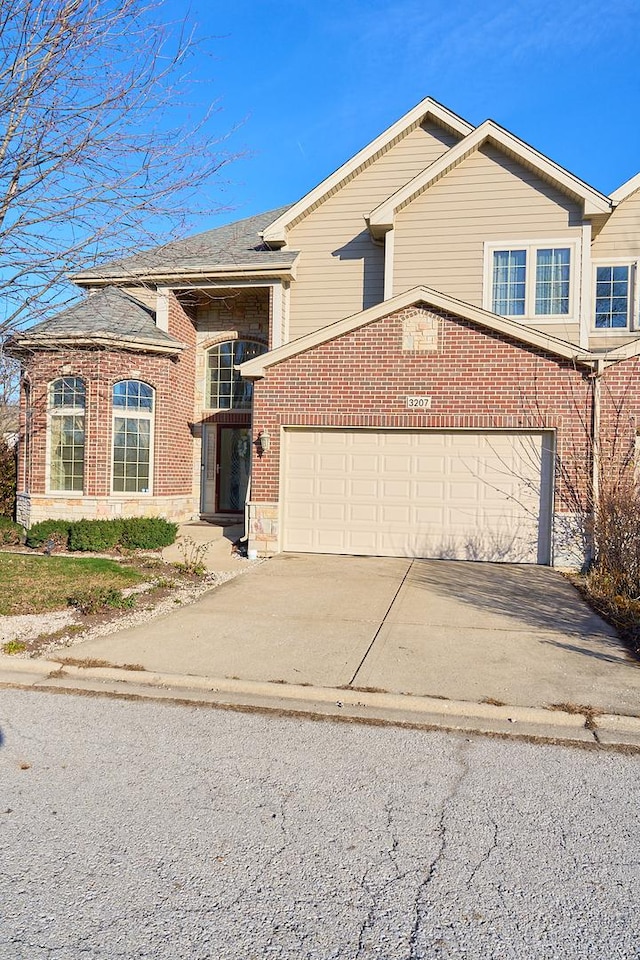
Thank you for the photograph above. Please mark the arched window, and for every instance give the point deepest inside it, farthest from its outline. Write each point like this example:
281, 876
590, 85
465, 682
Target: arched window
132, 436
226, 388
67, 400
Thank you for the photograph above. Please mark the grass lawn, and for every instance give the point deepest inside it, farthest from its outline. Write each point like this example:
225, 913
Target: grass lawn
38, 583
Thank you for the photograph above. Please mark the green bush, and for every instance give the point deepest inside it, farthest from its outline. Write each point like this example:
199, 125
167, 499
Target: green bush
8, 470
95, 535
135, 533
147, 533
10, 532
56, 530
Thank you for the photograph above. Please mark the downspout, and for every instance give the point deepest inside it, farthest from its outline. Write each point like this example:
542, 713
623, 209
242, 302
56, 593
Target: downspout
595, 452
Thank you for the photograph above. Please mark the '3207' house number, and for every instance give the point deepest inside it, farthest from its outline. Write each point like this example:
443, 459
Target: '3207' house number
419, 403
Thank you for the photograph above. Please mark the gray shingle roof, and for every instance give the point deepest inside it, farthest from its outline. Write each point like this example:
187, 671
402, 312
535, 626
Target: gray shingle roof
109, 314
237, 244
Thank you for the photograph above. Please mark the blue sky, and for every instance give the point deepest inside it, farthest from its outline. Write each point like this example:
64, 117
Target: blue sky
310, 82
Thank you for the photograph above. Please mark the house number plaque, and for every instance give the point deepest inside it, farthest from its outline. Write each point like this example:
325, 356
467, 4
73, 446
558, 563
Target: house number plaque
419, 403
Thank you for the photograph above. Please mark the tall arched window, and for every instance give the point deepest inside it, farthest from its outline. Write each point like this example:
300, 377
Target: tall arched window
132, 436
67, 400
226, 388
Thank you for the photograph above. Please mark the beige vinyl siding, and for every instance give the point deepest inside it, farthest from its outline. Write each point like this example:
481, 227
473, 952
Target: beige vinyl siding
341, 269
563, 331
607, 340
620, 235
440, 235
146, 295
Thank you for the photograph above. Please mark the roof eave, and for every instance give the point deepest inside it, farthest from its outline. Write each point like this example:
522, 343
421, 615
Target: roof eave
283, 271
256, 368
22, 344
276, 232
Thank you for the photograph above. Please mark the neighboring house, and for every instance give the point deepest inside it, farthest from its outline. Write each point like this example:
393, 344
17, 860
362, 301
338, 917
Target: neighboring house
433, 353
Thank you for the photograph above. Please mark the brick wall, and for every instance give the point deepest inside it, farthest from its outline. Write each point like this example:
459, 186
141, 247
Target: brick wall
476, 379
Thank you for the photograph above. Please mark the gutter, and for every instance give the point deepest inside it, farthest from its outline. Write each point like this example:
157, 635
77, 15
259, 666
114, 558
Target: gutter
261, 270
26, 344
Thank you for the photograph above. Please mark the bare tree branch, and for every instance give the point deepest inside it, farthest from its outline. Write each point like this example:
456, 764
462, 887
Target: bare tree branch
101, 153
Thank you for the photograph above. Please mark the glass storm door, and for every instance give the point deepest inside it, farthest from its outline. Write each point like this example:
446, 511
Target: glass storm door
234, 464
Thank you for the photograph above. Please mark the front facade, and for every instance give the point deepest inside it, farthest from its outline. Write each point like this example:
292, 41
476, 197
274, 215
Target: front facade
433, 353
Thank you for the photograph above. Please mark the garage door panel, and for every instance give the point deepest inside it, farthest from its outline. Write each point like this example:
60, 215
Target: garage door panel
457, 494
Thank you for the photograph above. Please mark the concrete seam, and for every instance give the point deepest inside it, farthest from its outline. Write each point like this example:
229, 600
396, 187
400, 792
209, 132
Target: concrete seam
384, 620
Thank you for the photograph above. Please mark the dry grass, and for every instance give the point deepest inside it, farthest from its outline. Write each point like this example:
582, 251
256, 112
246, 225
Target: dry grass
37, 584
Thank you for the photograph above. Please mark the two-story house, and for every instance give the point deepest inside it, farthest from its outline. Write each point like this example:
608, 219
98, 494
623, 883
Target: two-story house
433, 353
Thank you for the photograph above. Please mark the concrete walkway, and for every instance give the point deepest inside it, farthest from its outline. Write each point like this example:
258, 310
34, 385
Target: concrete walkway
517, 635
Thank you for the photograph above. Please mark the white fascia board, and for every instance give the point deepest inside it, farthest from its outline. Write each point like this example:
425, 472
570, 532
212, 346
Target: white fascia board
381, 218
625, 352
97, 340
626, 189
276, 232
256, 368
283, 271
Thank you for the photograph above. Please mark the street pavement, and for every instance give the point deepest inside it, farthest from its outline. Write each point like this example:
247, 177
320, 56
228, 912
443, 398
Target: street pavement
154, 830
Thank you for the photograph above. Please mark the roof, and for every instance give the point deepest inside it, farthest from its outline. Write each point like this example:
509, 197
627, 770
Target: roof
275, 232
626, 189
234, 247
108, 317
594, 202
256, 368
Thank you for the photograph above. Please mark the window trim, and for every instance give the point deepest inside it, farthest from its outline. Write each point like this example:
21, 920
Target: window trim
531, 247
633, 310
207, 385
133, 414
64, 411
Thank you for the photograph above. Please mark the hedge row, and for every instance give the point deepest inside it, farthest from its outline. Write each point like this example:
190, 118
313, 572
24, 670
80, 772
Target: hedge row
10, 532
134, 533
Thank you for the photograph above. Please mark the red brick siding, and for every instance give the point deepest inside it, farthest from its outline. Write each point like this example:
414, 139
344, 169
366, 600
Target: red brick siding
477, 379
619, 420
100, 370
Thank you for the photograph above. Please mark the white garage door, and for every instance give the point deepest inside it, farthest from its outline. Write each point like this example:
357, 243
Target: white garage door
407, 493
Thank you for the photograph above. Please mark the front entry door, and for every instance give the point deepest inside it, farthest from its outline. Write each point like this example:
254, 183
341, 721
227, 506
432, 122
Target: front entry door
232, 468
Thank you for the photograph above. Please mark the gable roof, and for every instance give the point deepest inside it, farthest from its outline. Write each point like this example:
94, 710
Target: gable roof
381, 218
256, 368
107, 318
626, 189
235, 247
275, 233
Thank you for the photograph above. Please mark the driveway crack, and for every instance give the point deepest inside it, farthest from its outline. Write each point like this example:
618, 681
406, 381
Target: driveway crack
382, 623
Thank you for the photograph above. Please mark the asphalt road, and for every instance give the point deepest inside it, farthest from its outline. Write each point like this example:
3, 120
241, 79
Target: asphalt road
153, 830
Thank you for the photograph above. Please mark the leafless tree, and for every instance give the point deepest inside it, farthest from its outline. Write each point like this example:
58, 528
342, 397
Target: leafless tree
101, 151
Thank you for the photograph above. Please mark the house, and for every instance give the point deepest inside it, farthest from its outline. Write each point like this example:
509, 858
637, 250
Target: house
433, 353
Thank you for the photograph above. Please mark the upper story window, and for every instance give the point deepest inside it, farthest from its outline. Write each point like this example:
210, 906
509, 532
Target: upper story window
226, 388
613, 296
133, 403
67, 401
530, 280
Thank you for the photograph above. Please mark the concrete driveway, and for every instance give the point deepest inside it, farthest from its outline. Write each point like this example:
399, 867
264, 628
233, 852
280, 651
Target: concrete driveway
520, 635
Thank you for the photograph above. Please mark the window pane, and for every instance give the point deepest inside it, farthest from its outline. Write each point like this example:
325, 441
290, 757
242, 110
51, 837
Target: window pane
553, 268
132, 454
227, 389
67, 453
612, 298
133, 395
68, 392
509, 282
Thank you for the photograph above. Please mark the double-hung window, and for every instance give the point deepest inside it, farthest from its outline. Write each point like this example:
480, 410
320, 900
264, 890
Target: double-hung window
67, 398
132, 436
613, 296
530, 280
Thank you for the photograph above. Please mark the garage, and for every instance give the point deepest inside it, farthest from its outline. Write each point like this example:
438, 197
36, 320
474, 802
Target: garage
454, 494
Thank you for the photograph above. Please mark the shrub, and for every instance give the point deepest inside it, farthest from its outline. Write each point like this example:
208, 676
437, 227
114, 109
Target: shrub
617, 537
56, 530
95, 535
8, 471
10, 532
147, 533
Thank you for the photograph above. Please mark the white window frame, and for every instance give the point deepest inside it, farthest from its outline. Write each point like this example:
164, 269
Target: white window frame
67, 411
633, 315
133, 414
208, 378
531, 247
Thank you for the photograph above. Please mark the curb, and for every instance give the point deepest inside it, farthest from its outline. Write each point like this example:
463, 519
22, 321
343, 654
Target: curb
610, 730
